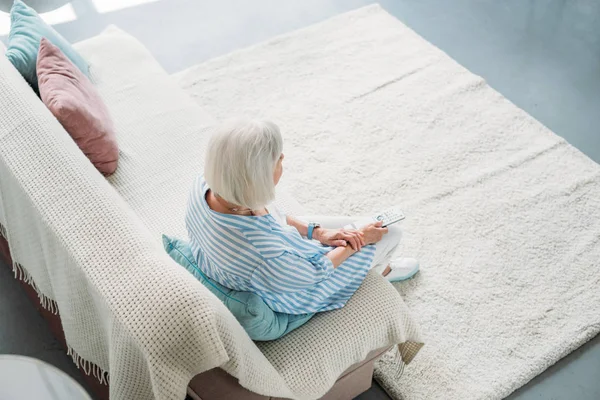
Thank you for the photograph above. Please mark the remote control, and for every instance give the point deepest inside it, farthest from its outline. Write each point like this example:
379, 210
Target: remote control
388, 217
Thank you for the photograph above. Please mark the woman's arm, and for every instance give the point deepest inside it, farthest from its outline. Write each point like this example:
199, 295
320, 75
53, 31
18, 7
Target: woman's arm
339, 255
301, 226
329, 237
290, 272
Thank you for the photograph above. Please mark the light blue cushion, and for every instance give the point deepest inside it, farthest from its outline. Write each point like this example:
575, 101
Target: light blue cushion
249, 309
26, 31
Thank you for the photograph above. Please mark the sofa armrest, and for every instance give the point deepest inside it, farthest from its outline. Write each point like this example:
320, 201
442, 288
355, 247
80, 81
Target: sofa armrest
124, 305
375, 317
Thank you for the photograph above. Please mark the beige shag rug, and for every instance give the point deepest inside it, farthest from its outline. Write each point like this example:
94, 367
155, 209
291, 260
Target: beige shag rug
503, 214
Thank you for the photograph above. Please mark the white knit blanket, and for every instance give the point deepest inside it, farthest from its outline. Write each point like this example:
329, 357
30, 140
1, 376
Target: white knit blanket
503, 214
91, 247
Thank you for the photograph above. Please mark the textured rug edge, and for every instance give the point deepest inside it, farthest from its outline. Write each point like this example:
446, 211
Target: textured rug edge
359, 12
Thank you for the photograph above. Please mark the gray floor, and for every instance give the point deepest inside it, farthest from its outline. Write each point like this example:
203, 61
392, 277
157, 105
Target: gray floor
542, 55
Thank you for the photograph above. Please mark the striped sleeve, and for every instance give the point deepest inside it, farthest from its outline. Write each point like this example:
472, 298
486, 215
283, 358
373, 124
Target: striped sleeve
291, 272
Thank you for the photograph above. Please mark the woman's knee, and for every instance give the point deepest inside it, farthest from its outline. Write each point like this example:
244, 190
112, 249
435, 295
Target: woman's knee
394, 233
387, 246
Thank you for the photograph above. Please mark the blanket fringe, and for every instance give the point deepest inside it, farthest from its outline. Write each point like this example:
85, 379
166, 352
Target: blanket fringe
49, 304
21, 274
400, 363
88, 367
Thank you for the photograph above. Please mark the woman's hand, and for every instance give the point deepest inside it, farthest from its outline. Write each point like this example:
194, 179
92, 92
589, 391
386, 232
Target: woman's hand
340, 237
373, 233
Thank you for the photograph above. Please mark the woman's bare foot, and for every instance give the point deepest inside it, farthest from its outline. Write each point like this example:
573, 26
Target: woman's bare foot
401, 269
387, 270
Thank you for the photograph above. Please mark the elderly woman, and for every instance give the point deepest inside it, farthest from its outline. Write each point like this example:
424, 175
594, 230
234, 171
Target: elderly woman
241, 240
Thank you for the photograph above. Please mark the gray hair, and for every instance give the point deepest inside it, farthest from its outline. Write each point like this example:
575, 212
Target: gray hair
240, 162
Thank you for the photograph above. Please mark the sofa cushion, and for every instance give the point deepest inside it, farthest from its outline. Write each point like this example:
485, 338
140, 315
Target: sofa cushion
26, 30
260, 322
76, 104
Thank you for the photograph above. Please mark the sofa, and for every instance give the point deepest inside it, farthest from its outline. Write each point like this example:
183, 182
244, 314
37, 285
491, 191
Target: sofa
88, 250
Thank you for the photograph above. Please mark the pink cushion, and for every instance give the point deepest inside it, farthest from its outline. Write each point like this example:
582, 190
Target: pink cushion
76, 104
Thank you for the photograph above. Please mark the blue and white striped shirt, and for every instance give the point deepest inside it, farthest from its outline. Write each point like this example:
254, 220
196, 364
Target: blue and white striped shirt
261, 255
